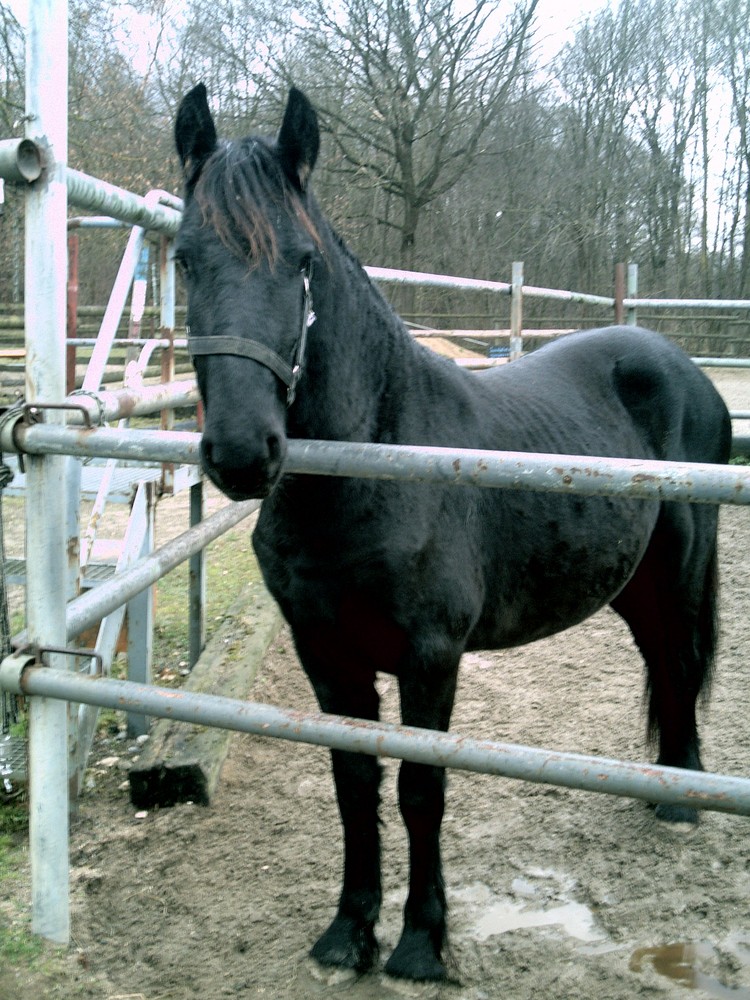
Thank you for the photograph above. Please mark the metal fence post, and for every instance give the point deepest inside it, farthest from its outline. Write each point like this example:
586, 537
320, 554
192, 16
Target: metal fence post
45, 320
197, 595
141, 608
516, 311
619, 294
631, 316
167, 308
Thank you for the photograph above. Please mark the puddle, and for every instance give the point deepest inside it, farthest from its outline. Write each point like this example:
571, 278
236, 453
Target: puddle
540, 899
546, 899
573, 919
680, 962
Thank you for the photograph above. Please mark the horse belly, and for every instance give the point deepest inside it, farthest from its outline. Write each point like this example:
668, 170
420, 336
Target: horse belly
560, 570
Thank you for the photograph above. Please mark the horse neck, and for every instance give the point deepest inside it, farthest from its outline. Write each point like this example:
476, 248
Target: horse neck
359, 356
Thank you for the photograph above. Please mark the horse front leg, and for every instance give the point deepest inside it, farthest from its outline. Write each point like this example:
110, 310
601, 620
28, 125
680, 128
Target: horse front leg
426, 701
349, 942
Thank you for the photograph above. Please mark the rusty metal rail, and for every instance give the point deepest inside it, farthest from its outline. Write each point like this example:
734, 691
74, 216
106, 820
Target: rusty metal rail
579, 474
699, 789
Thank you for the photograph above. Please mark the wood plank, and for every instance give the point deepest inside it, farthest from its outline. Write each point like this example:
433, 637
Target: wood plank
182, 763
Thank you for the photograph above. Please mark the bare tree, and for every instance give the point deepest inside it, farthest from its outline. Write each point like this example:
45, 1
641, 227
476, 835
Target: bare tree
664, 80
731, 31
597, 157
407, 89
11, 124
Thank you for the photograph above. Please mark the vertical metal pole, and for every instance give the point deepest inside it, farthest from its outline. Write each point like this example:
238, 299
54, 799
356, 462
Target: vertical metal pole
167, 312
631, 316
197, 581
45, 279
516, 311
619, 294
70, 354
137, 302
141, 607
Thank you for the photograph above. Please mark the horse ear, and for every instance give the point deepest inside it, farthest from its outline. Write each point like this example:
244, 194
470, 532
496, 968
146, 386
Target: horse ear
299, 138
194, 132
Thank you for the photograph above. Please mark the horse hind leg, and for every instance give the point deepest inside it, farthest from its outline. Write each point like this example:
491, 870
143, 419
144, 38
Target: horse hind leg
670, 606
427, 685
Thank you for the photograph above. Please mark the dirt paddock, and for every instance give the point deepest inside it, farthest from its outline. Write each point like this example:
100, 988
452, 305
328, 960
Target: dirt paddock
552, 893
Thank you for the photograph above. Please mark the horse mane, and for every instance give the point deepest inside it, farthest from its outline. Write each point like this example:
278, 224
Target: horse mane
238, 190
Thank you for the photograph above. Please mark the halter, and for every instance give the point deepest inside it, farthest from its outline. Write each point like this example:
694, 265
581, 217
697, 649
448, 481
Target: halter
239, 346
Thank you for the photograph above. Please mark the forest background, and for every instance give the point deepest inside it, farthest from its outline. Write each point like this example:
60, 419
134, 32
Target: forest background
452, 143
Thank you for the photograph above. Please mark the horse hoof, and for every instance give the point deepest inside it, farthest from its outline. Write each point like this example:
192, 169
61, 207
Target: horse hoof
346, 945
414, 958
679, 819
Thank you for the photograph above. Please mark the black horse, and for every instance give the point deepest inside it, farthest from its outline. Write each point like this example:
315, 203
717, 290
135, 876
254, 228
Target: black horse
403, 578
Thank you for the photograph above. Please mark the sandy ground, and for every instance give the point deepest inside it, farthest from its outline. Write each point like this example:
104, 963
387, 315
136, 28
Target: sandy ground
553, 893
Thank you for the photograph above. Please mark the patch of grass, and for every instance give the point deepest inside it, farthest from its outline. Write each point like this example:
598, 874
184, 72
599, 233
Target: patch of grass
230, 565
14, 819
17, 944
20, 730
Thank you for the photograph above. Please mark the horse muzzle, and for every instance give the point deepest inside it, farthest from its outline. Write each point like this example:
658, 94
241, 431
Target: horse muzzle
244, 473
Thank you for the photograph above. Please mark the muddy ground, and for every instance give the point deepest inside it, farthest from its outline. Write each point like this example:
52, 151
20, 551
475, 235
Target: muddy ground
553, 893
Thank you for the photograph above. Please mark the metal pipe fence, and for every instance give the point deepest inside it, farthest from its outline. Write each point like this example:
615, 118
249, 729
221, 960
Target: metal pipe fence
46, 515
88, 609
580, 474
51, 621
653, 783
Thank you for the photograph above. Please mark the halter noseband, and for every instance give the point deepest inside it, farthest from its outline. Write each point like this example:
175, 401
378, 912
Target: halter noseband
239, 346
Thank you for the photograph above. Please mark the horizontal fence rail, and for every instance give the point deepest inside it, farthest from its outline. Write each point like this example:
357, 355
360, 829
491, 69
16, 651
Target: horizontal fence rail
699, 789
93, 605
393, 276
114, 404
147, 211
713, 304
579, 474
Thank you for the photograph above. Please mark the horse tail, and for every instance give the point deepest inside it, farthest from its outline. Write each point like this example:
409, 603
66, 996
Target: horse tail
697, 658
707, 631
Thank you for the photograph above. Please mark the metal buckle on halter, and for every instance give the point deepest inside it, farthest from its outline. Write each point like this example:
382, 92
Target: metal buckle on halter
308, 318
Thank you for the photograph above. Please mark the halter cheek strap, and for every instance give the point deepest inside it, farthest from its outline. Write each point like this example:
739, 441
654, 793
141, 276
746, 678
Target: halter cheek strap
253, 349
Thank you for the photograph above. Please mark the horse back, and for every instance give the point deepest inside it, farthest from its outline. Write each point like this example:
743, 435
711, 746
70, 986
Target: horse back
620, 392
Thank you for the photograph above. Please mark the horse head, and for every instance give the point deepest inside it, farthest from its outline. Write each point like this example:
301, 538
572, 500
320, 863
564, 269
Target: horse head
246, 247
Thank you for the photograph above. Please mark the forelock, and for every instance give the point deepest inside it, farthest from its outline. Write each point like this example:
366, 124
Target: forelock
240, 193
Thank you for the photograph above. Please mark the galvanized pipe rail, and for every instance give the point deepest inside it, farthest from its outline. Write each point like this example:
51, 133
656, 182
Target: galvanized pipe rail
98, 406
699, 789
89, 608
95, 195
22, 161
579, 474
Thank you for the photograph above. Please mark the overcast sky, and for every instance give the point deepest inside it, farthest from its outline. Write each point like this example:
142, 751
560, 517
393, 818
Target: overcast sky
555, 18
